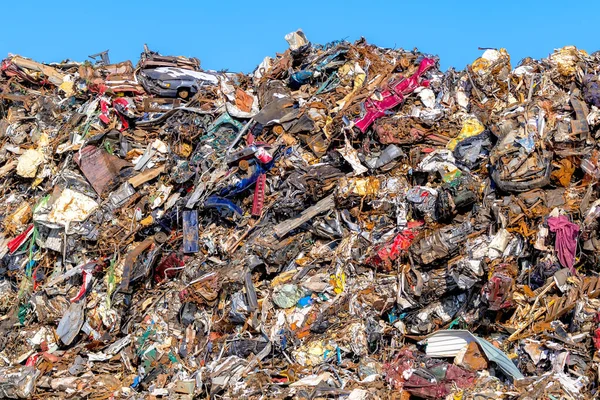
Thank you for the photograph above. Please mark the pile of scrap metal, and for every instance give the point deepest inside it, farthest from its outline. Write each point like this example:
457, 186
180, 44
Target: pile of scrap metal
345, 222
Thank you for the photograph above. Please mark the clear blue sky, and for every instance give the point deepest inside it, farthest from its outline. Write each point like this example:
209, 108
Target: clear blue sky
237, 35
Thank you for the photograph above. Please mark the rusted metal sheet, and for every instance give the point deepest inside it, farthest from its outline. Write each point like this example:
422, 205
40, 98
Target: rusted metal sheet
130, 260
99, 167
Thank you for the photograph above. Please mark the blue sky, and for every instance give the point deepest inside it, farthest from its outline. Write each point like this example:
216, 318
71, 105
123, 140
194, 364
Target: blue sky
237, 35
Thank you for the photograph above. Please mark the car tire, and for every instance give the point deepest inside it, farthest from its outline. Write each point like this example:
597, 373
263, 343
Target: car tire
183, 93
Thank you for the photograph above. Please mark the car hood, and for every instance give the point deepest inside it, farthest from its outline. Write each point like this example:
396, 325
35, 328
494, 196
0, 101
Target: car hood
169, 73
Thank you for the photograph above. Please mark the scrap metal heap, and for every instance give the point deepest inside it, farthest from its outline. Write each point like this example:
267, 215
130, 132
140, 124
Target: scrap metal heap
345, 222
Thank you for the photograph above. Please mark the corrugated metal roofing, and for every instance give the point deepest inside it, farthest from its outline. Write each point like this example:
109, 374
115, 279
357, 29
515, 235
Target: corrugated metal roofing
448, 343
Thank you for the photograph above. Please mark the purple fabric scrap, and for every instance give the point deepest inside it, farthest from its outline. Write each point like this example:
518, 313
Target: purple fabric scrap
566, 240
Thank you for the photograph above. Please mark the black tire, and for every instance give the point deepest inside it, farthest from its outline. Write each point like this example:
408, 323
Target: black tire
183, 93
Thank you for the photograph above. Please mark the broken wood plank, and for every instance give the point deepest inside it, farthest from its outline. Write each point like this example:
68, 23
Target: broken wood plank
6, 168
53, 75
146, 176
323, 205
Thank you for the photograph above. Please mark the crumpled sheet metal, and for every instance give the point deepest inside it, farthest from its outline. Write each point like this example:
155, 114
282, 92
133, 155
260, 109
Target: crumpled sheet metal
345, 221
449, 343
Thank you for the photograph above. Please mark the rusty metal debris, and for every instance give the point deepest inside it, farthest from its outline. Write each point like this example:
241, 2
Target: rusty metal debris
345, 222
